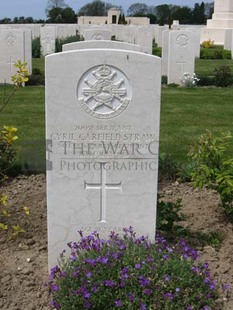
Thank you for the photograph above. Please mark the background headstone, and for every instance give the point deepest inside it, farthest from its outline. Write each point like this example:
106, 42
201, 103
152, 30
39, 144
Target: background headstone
97, 34
47, 40
181, 55
102, 129
12, 49
100, 44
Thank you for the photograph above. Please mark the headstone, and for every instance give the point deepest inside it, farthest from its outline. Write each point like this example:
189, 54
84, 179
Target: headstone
102, 129
181, 55
97, 34
165, 52
144, 39
228, 40
47, 40
12, 49
126, 33
100, 44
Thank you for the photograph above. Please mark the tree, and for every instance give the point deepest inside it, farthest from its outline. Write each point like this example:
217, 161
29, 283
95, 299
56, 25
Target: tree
163, 13
183, 14
209, 9
60, 15
199, 16
137, 9
51, 4
95, 8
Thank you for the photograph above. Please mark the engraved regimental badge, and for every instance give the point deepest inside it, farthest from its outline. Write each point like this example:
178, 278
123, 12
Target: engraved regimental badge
104, 91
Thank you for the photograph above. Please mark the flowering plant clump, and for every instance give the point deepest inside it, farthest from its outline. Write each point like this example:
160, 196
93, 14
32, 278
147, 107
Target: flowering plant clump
189, 80
130, 273
207, 44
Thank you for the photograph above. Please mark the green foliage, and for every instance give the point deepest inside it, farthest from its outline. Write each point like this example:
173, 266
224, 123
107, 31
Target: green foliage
212, 168
7, 153
167, 167
61, 15
59, 42
157, 51
168, 215
36, 48
8, 219
206, 80
131, 273
36, 78
95, 8
214, 53
164, 80
223, 76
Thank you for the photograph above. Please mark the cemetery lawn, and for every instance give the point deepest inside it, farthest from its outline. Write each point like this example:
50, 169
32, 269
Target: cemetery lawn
185, 114
206, 66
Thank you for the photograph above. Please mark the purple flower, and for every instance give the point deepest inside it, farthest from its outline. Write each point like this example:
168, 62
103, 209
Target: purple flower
118, 303
103, 260
131, 297
166, 278
54, 271
109, 283
226, 287
87, 295
177, 289
168, 296
143, 281
142, 306
54, 287
87, 304
54, 304
137, 266
88, 274
189, 307
148, 291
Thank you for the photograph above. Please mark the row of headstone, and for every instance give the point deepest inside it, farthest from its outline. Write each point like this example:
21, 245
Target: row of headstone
102, 116
15, 45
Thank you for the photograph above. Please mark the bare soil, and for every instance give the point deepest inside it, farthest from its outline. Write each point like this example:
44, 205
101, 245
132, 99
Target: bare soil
23, 260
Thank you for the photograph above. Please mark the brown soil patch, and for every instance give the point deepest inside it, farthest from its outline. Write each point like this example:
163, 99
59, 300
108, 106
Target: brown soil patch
23, 261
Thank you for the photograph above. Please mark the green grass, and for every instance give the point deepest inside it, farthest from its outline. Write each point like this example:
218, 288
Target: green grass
38, 63
185, 114
188, 112
207, 66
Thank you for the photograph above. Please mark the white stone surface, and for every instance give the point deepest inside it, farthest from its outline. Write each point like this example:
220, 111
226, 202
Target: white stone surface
228, 40
97, 34
181, 55
216, 35
100, 44
165, 40
47, 40
144, 39
102, 129
12, 49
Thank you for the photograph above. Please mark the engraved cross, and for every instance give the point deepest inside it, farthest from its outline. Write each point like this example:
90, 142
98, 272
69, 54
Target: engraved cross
181, 63
11, 63
103, 186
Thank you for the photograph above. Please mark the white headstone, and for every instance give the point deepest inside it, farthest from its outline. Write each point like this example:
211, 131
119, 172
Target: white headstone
165, 52
228, 40
12, 49
100, 44
47, 40
97, 34
144, 39
181, 55
102, 128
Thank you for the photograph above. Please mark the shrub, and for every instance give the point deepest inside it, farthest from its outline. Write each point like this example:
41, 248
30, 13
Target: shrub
223, 76
207, 44
164, 80
168, 215
213, 168
36, 78
206, 80
214, 54
7, 153
59, 42
167, 167
36, 48
130, 273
